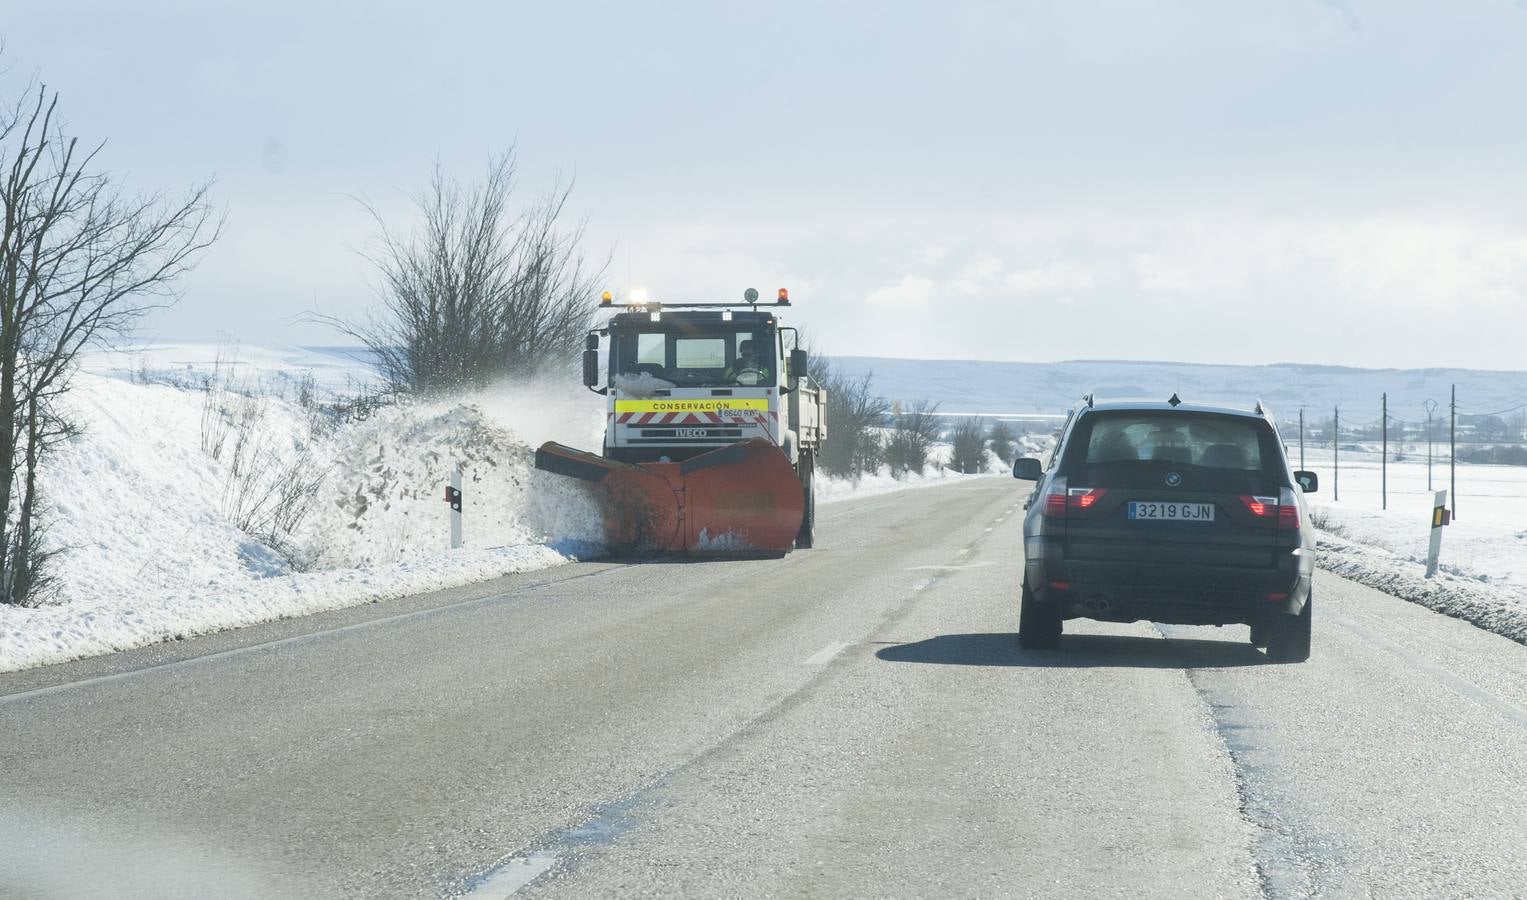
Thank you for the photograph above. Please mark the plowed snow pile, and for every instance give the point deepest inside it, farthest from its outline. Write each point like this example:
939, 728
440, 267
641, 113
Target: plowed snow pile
384, 501
147, 515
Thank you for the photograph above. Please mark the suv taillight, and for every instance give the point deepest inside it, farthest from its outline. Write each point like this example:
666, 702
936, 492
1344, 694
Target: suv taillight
1282, 509
1060, 498
1084, 498
1055, 498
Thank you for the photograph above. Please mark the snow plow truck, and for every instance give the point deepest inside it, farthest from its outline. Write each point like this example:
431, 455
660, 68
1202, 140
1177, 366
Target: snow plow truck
712, 432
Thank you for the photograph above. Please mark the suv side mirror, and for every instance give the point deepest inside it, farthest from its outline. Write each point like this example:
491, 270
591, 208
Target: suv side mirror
1308, 482
1028, 469
590, 367
798, 363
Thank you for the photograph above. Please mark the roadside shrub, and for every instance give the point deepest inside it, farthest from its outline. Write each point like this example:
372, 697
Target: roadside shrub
855, 417
968, 446
1002, 441
913, 431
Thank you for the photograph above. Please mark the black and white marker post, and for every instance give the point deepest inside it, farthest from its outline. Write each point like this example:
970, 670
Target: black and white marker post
1440, 519
453, 497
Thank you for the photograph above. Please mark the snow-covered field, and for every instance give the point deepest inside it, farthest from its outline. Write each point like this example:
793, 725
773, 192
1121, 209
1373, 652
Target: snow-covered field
168, 509
1483, 574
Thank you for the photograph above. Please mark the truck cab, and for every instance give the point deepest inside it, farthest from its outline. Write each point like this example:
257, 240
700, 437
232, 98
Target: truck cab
686, 381
685, 378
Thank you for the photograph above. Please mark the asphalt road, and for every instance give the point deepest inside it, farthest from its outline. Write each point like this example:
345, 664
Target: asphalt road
853, 720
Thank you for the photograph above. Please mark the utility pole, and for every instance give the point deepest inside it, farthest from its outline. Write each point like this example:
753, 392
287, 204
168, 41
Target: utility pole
1431, 407
1384, 453
1452, 452
1301, 437
1336, 455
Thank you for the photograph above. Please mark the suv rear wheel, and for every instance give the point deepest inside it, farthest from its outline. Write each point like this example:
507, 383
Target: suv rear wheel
1288, 637
1039, 623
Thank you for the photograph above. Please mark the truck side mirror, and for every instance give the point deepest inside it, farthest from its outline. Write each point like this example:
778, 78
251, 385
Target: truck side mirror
591, 367
1309, 482
798, 363
1027, 469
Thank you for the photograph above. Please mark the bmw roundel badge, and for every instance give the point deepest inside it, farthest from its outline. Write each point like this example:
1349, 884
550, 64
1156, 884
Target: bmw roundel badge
1173, 479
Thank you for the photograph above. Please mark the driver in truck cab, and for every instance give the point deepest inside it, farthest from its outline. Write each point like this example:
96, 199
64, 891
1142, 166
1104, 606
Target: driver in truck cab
747, 369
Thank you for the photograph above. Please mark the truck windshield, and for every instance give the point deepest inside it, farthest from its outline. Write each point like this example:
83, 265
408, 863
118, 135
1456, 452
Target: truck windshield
696, 357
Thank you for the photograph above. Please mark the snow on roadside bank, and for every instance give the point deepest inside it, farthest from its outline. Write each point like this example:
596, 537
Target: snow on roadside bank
1483, 571
145, 513
1501, 610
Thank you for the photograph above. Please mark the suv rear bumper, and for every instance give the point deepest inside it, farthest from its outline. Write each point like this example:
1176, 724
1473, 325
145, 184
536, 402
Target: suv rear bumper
1172, 593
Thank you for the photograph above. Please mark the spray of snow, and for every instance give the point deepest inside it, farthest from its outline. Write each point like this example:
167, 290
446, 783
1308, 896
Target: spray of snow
729, 542
642, 384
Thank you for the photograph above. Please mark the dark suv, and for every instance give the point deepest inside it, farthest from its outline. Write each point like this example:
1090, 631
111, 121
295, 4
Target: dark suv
1169, 512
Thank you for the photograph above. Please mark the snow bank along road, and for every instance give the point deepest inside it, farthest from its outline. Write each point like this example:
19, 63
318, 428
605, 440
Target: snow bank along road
852, 720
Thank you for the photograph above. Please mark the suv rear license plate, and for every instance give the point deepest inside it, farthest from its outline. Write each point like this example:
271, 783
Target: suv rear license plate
1171, 512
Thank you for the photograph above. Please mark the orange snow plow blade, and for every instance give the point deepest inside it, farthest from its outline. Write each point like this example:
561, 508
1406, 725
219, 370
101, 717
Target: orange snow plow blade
737, 500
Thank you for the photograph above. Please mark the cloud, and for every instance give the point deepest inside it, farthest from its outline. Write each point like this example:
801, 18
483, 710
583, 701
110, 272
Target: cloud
912, 290
1054, 277
1348, 14
1429, 264
977, 277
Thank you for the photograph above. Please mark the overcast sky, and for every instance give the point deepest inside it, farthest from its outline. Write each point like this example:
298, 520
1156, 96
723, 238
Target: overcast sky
1293, 180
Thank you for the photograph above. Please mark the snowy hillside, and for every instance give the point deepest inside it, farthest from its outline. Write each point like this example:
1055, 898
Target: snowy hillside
1011, 387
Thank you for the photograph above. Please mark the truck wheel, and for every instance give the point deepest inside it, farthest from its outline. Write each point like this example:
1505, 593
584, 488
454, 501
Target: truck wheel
1288, 639
1039, 624
808, 471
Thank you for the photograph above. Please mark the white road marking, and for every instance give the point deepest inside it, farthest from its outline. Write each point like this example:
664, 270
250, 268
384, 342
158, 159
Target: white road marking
509, 878
975, 565
825, 655
988, 529
305, 637
965, 551
922, 584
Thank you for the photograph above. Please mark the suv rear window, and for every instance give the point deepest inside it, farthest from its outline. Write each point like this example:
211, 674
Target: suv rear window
1206, 441
1210, 451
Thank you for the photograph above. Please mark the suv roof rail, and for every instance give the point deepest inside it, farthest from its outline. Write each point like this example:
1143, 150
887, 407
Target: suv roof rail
1260, 410
1087, 399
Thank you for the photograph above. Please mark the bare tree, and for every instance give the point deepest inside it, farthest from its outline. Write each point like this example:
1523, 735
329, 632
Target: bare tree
968, 450
1002, 438
80, 263
913, 431
855, 416
477, 291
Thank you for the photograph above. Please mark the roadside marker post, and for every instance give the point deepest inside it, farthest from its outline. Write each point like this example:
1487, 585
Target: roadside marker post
1440, 518
453, 497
